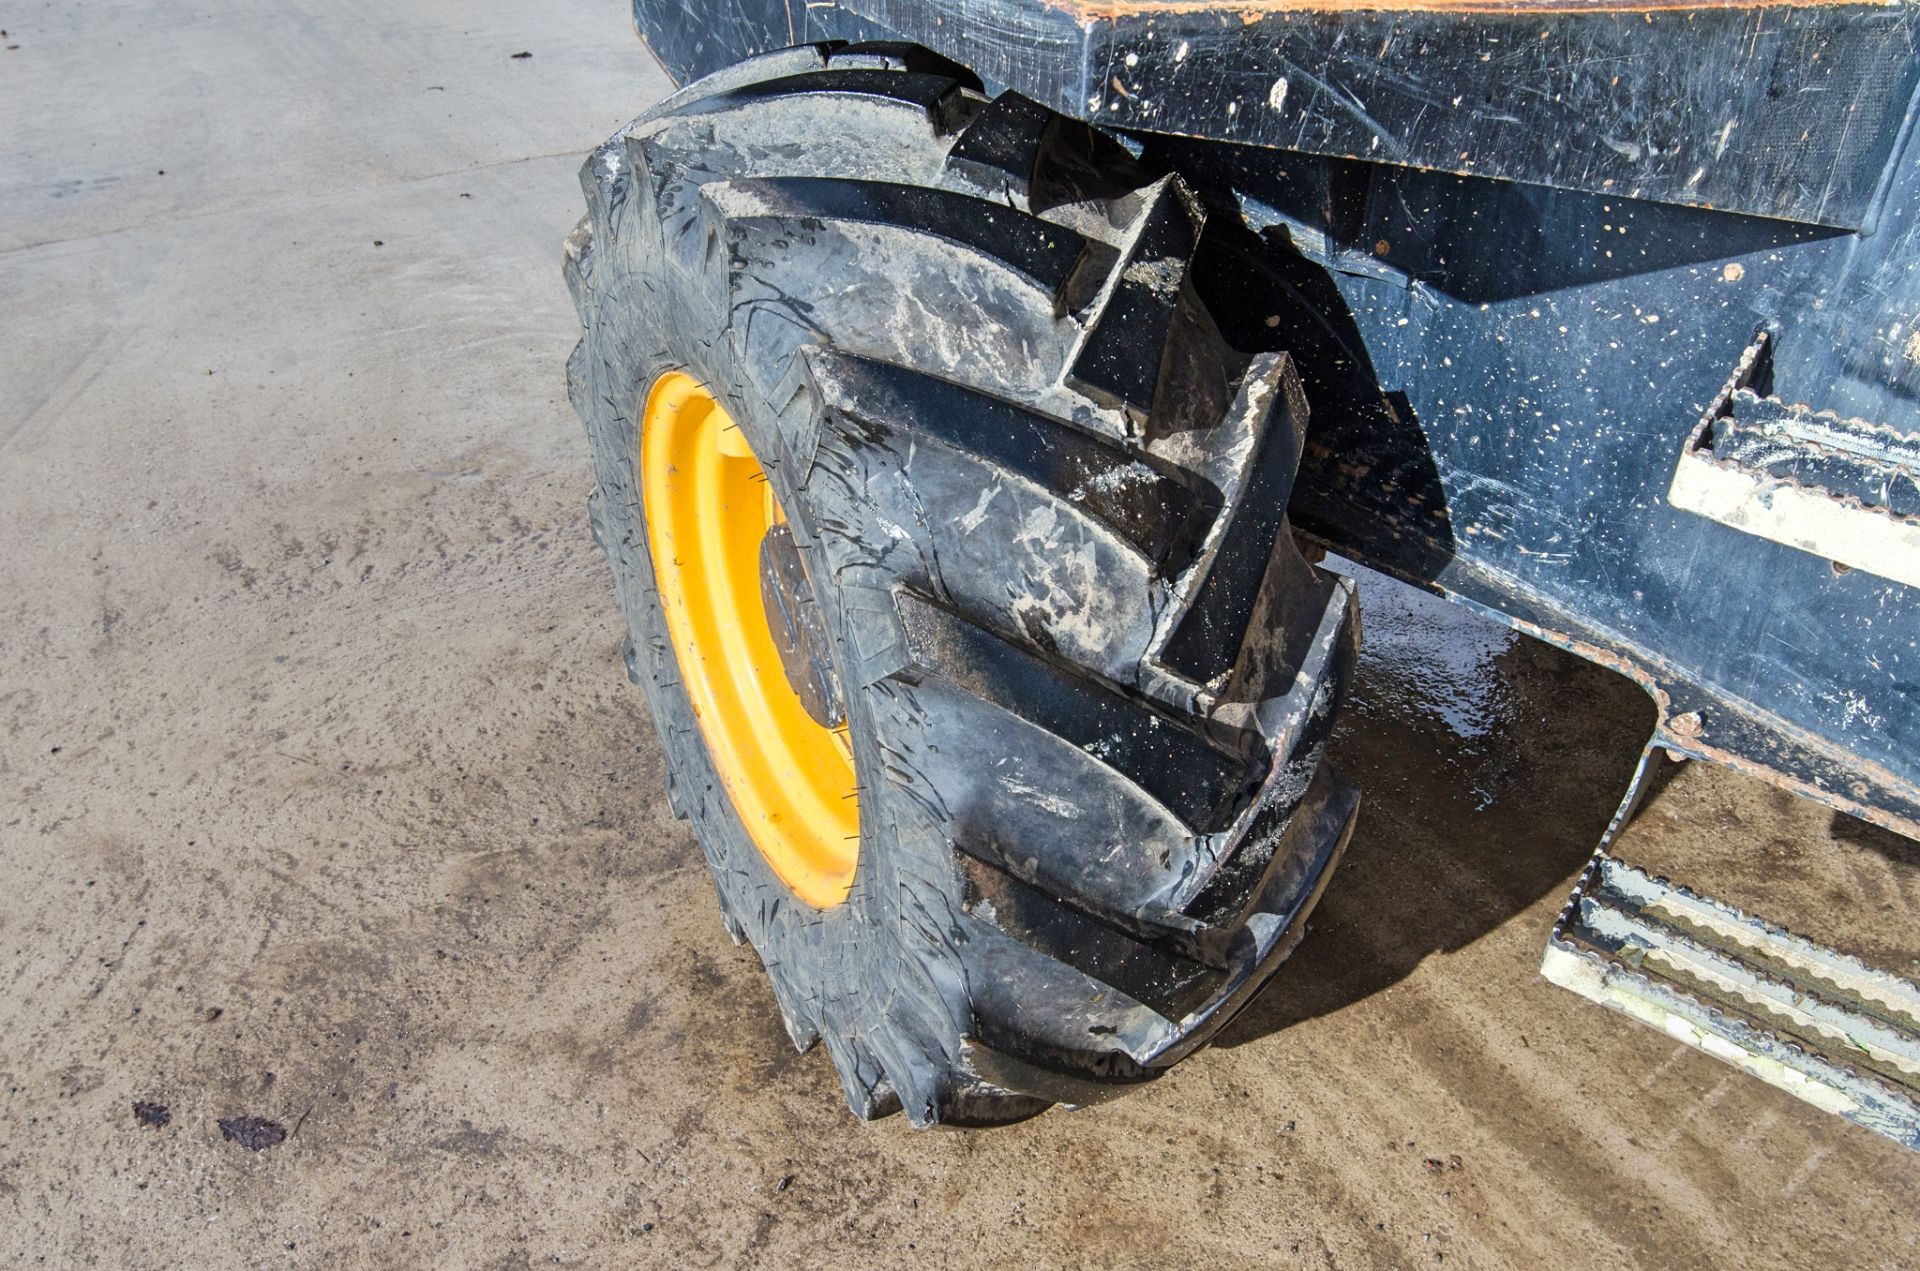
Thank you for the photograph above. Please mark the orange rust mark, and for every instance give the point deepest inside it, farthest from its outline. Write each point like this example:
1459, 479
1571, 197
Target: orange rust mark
1680, 735
1254, 10
1686, 740
1805, 789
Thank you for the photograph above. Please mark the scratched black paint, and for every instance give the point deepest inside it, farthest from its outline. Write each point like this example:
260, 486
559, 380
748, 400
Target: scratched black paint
1517, 365
1778, 110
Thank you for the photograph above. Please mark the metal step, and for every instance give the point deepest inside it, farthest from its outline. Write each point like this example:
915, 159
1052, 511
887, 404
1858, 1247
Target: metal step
1845, 489
1818, 1024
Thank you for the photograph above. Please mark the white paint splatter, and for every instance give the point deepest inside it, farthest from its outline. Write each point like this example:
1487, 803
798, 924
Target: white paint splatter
1051, 802
1111, 480
1039, 526
978, 513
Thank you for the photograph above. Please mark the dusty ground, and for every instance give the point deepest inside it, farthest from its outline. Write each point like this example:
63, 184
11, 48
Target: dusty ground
323, 798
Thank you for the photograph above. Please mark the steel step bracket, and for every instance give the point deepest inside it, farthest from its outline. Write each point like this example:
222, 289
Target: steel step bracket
1845, 489
1821, 1025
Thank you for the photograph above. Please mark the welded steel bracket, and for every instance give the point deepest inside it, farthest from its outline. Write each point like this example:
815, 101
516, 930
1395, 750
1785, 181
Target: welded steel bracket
1825, 1027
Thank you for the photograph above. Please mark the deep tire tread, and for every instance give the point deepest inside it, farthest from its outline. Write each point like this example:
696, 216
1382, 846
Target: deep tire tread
1061, 536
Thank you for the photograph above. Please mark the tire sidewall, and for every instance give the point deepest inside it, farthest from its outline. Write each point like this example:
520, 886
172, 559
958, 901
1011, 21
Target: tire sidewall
840, 973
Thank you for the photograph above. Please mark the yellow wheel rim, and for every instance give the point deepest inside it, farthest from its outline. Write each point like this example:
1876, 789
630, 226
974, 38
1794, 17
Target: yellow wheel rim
708, 506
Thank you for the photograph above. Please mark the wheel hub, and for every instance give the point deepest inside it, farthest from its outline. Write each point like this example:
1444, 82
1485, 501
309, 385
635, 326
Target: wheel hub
799, 630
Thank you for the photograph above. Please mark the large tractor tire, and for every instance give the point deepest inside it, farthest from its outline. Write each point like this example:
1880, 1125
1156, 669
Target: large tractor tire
950, 535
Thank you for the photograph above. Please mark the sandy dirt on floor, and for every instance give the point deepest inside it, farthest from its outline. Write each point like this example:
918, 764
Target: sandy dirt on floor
324, 799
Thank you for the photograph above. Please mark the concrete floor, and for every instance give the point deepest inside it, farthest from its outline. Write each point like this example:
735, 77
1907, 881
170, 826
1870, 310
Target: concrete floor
323, 797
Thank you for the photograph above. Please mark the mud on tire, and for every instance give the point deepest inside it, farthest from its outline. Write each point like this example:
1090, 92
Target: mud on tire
1042, 502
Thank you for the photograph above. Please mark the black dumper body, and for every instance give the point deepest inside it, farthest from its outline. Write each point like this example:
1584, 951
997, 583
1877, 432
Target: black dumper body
1609, 316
